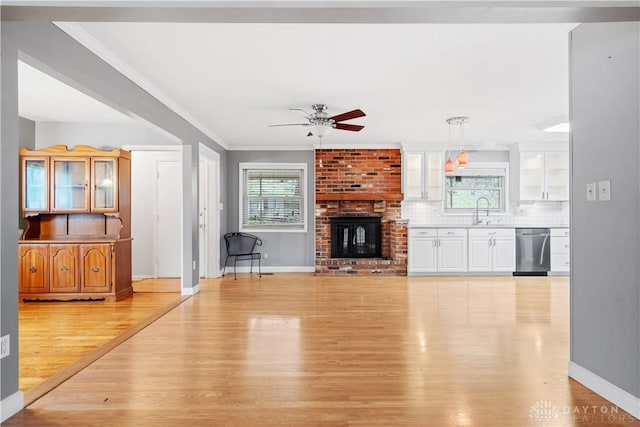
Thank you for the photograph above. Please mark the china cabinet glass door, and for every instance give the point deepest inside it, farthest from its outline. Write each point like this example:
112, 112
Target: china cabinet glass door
104, 197
36, 185
70, 185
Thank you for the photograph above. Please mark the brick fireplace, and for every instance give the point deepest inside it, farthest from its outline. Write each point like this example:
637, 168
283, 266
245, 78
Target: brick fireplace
360, 183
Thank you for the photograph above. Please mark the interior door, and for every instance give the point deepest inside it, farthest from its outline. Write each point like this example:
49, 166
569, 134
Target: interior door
168, 219
203, 216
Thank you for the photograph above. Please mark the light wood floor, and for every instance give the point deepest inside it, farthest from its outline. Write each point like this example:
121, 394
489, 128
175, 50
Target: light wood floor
55, 336
300, 350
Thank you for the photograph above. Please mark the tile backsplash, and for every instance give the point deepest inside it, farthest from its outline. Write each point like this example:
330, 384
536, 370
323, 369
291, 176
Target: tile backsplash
518, 214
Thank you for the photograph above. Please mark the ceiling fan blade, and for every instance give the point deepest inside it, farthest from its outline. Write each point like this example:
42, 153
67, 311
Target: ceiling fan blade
353, 114
290, 124
345, 126
306, 115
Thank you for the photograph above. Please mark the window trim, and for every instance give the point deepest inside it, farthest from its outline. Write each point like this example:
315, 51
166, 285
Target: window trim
469, 171
282, 228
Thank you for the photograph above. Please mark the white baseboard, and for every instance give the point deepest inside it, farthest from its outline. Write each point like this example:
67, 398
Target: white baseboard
142, 277
191, 291
274, 269
614, 394
9, 406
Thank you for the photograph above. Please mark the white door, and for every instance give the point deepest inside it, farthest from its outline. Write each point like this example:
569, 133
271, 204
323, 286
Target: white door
168, 219
422, 256
504, 253
203, 217
209, 214
479, 254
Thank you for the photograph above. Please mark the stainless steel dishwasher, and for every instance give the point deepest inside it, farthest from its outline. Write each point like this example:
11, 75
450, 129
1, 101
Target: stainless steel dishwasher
533, 255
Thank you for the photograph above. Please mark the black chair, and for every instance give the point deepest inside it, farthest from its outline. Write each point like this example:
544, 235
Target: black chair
242, 246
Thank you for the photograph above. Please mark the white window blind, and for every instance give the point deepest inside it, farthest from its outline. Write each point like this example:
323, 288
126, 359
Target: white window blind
272, 198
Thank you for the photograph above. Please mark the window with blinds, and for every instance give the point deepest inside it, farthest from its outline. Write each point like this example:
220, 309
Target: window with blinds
272, 197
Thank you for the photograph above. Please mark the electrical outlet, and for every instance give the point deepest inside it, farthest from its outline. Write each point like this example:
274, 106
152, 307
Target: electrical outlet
266, 255
4, 346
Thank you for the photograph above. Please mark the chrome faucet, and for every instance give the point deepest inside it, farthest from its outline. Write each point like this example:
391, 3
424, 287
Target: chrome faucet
477, 218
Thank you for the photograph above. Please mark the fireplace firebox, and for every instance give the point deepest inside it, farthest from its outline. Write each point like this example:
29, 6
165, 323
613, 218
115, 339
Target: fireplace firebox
356, 237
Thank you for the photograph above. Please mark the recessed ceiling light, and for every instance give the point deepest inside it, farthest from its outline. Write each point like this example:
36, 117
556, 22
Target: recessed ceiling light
560, 127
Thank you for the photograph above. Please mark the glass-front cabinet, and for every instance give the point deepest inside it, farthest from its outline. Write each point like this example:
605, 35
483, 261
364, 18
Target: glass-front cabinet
70, 185
104, 191
76, 240
423, 175
544, 175
35, 196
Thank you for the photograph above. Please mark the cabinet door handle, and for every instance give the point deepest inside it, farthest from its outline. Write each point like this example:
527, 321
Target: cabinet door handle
64, 269
95, 269
32, 269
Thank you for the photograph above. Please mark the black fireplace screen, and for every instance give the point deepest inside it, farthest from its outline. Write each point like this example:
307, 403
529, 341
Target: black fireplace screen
356, 237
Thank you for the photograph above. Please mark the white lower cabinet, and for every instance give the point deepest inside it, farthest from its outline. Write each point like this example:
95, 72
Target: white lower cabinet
433, 250
492, 249
560, 249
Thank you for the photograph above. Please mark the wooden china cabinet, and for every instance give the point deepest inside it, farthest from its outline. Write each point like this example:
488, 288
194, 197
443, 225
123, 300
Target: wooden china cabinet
77, 205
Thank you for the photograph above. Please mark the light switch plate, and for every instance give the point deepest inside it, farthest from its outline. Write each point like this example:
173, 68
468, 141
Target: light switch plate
591, 192
604, 190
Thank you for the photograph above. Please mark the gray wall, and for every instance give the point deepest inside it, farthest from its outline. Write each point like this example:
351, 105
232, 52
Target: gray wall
605, 279
45, 46
9, 178
99, 135
284, 249
26, 133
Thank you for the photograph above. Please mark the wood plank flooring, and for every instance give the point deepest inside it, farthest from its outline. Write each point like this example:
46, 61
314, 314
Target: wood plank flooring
296, 349
55, 335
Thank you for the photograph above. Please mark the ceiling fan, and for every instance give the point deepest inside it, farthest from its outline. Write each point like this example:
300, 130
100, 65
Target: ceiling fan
321, 123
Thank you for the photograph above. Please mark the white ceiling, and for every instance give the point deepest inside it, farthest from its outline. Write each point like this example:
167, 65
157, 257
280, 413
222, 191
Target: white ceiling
233, 80
43, 98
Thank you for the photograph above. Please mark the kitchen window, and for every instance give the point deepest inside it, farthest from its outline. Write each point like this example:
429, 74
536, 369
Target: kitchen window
272, 196
464, 187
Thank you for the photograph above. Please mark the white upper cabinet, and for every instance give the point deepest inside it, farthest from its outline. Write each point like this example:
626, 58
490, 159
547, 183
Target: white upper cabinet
423, 175
540, 175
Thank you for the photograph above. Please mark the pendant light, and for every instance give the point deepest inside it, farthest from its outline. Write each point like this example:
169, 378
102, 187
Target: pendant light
448, 165
463, 158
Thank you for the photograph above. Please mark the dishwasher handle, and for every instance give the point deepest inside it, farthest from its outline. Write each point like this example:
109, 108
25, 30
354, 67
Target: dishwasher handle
544, 245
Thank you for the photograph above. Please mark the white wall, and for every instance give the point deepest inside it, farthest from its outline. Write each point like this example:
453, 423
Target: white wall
143, 207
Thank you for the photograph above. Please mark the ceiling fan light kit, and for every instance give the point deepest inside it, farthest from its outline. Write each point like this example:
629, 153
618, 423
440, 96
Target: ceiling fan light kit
321, 124
463, 157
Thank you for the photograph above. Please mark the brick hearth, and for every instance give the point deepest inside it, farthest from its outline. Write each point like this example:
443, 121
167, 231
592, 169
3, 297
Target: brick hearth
357, 182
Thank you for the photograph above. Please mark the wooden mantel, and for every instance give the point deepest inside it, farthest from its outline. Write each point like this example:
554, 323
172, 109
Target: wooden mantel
359, 196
